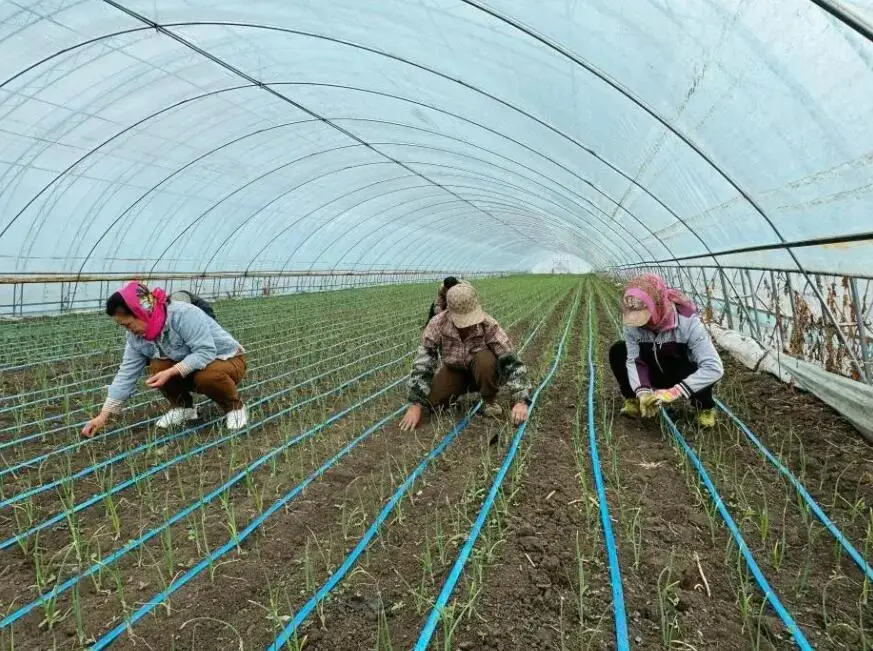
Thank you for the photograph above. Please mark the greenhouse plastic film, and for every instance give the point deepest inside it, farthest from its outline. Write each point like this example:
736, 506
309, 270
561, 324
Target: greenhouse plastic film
850, 398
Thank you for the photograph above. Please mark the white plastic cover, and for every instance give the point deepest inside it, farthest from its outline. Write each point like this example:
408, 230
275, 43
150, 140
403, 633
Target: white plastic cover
850, 398
455, 134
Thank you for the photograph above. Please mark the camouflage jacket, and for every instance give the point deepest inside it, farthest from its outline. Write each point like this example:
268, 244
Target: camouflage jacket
441, 339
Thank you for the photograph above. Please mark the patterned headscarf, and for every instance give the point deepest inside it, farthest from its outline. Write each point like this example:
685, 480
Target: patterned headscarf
146, 305
652, 291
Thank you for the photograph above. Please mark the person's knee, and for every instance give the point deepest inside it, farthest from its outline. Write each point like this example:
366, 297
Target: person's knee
485, 362
208, 379
158, 365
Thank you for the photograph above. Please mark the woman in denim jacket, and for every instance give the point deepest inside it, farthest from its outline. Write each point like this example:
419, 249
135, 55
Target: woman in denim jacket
185, 351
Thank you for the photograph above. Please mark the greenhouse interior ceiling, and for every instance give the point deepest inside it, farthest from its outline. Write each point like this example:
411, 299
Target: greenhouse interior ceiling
193, 136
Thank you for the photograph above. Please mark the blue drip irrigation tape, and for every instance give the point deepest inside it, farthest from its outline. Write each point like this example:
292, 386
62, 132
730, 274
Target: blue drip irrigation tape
54, 360
113, 337
7, 398
150, 394
371, 532
74, 446
254, 348
373, 529
147, 402
116, 632
151, 399
110, 375
9, 542
618, 608
461, 560
206, 499
233, 542
133, 544
145, 446
114, 344
799, 638
804, 494
94, 499
769, 595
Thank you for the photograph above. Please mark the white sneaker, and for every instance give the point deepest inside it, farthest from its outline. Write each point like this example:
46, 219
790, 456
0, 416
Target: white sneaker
177, 416
238, 418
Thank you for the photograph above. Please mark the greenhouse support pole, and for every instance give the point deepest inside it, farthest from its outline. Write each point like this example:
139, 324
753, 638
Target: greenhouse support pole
742, 303
860, 329
726, 301
777, 308
753, 294
790, 286
707, 294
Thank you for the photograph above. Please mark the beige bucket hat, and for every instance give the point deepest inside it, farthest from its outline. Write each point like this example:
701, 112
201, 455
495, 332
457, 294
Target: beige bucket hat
463, 306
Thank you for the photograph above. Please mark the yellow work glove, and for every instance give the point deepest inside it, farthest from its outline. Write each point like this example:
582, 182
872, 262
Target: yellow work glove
648, 403
668, 396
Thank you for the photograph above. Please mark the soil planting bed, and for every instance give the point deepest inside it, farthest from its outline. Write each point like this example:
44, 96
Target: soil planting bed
538, 577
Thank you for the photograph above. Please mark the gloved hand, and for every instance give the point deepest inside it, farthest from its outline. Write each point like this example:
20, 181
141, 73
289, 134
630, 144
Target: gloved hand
648, 403
668, 396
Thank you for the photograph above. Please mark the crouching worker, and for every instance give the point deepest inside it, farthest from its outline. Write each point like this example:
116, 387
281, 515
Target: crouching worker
666, 355
439, 304
477, 356
185, 351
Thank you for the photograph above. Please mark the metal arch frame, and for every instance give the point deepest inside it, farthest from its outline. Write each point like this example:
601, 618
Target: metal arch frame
799, 244
414, 231
261, 85
432, 215
454, 80
294, 223
497, 204
846, 17
419, 227
517, 26
112, 138
450, 152
505, 103
569, 191
528, 148
216, 124
542, 212
454, 168
448, 261
287, 228
418, 66
667, 124
322, 207
565, 197
241, 87
251, 182
571, 223
282, 232
240, 138
310, 120
383, 225
452, 257
170, 176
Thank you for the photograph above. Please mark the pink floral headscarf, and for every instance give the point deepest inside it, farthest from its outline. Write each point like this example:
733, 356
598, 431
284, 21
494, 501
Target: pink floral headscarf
146, 305
659, 299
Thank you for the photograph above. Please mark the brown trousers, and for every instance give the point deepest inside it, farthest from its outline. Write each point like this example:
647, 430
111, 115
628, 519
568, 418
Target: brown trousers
449, 383
217, 381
